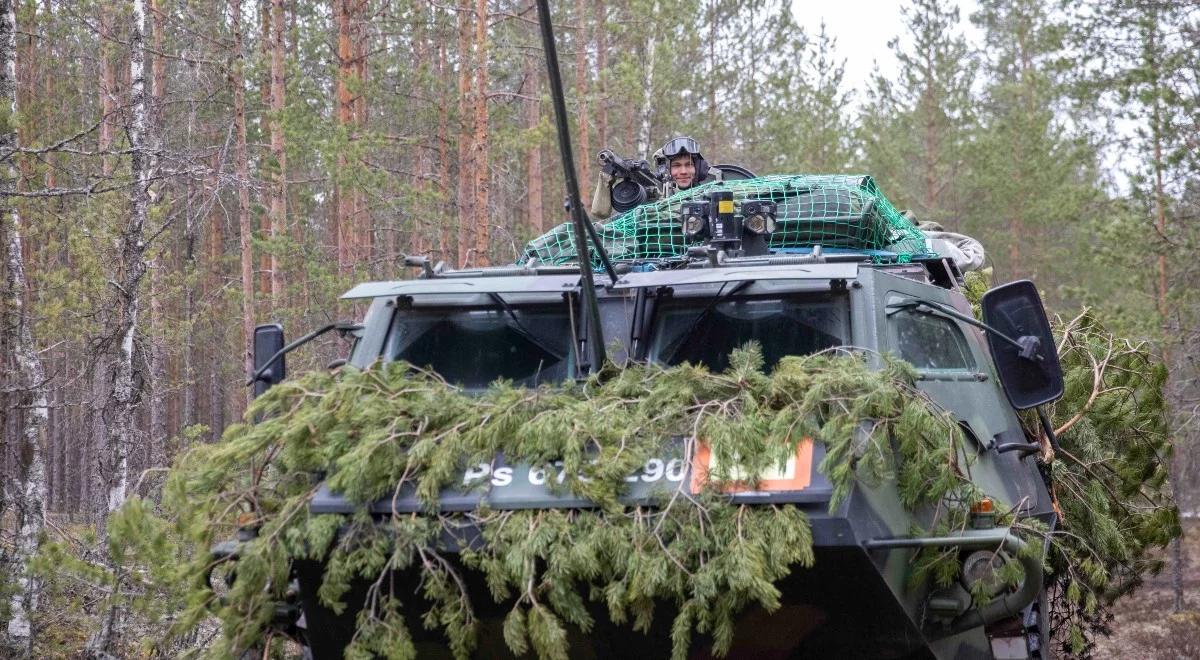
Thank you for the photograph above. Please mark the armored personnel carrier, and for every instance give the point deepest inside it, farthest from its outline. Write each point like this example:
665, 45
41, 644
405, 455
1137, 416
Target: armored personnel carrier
798, 264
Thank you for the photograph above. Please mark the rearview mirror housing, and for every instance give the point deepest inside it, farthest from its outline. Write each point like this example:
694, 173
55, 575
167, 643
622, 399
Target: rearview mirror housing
268, 340
1030, 374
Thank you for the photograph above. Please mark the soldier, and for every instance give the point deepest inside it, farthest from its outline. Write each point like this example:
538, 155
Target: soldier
679, 164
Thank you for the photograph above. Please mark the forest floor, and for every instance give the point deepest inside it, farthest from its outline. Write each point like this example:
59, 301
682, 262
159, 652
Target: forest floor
1144, 626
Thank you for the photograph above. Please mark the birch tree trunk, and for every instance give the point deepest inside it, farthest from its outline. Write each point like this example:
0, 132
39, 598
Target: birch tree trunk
131, 269
28, 494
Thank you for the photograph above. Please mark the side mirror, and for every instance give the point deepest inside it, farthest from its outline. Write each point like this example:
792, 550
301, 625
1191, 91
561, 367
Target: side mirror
268, 340
1026, 357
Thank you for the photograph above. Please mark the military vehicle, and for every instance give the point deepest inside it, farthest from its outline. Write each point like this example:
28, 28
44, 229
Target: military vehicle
526, 323
799, 264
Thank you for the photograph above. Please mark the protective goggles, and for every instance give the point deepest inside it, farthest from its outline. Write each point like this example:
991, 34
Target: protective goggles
680, 145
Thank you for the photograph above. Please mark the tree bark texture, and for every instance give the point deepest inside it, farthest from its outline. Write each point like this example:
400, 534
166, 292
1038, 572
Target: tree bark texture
482, 219
582, 91
533, 120
466, 172
130, 270
278, 152
242, 169
445, 223
28, 494
345, 204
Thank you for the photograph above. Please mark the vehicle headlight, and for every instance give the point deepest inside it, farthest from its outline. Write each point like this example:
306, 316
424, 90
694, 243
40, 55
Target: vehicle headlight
759, 216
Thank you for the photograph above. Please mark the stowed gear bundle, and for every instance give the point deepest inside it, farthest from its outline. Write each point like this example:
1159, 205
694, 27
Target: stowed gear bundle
834, 212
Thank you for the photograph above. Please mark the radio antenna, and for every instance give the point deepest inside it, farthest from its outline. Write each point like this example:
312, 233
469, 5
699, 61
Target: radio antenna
581, 223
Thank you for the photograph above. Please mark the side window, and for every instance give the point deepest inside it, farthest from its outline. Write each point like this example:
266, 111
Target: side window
929, 342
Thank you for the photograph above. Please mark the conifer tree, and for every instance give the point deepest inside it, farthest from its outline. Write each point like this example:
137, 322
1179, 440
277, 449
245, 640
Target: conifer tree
1140, 68
1033, 170
914, 129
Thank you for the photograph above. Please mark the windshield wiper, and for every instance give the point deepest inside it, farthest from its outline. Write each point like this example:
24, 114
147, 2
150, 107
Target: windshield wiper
682, 340
520, 328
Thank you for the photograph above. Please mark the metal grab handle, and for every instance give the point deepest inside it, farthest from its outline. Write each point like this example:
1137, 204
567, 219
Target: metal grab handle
1001, 608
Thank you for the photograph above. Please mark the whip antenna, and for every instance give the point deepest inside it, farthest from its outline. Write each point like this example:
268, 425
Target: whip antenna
581, 223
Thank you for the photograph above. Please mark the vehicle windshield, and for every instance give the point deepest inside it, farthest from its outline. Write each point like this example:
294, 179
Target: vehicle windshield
704, 331
474, 346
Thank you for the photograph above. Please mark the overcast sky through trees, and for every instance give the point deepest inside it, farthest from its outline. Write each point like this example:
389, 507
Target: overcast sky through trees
863, 28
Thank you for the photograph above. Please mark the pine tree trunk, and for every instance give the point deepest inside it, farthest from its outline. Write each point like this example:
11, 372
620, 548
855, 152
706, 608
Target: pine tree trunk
158, 382
278, 152
582, 91
482, 220
445, 224
29, 507
466, 174
345, 203
601, 76
108, 91
266, 258
533, 119
363, 218
930, 155
242, 169
1161, 291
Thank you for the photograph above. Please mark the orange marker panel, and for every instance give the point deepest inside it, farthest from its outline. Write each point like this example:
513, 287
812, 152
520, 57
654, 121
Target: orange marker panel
796, 475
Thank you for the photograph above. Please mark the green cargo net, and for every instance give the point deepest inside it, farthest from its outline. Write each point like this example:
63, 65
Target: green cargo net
832, 211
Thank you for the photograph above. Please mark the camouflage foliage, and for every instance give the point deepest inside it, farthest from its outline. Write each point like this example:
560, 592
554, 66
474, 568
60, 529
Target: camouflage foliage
366, 431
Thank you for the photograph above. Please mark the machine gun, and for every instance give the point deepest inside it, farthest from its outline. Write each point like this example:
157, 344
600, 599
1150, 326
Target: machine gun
634, 183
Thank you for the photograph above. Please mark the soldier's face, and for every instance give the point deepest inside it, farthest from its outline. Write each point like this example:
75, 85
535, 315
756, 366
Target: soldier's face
683, 171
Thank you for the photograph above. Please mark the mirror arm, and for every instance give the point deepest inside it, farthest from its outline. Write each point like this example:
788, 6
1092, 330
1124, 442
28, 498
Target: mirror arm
342, 326
1023, 448
1048, 428
954, 313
